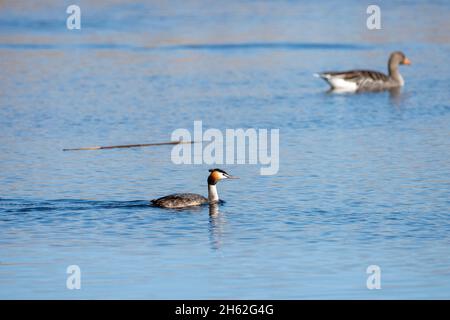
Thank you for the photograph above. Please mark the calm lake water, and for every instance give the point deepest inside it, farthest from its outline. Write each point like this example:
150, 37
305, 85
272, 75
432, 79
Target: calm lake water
364, 179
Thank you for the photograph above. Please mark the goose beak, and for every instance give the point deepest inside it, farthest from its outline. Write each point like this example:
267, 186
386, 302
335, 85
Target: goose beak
407, 61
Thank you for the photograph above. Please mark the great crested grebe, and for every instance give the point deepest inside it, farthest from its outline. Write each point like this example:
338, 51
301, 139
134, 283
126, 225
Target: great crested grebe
367, 80
182, 200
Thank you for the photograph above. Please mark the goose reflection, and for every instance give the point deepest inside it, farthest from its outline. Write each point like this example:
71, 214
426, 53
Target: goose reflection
396, 96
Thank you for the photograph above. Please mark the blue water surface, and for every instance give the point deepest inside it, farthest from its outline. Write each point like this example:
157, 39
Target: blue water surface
364, 179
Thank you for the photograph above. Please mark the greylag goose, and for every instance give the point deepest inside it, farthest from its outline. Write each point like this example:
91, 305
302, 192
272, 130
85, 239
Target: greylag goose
367, 80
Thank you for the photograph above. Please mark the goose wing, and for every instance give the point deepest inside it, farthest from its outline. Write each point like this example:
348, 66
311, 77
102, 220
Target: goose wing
357, 79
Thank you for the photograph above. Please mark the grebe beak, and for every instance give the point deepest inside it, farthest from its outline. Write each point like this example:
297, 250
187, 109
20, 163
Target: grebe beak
231, 177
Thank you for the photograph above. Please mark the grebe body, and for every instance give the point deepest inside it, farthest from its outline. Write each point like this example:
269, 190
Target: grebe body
183, 200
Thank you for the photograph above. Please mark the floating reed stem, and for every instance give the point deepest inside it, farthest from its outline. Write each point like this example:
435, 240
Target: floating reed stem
132, 145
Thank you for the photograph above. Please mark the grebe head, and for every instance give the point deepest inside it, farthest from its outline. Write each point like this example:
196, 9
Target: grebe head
217, 174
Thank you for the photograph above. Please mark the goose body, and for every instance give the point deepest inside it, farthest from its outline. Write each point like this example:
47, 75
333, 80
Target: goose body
367, 80
183, 200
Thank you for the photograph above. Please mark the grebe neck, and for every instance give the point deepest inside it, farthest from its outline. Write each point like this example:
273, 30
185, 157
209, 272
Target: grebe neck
213, 196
